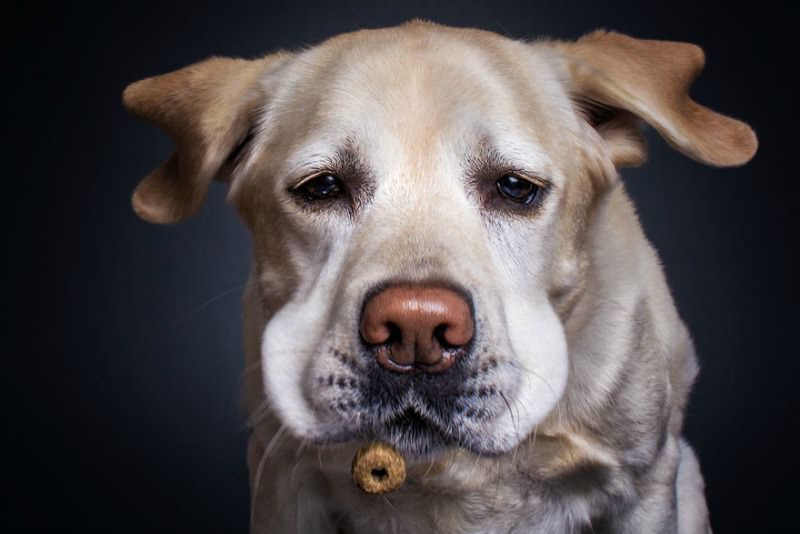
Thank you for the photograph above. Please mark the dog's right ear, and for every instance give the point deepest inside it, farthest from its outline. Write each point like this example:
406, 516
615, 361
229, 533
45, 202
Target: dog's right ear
207, 109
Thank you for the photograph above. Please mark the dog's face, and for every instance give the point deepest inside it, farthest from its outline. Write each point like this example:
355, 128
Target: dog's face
419, 199
422, 148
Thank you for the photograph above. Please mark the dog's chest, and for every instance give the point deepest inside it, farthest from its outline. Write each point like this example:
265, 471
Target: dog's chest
515, 503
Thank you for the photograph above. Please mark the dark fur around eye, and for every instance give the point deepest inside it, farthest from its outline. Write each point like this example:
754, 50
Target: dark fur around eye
502, 187
343, 182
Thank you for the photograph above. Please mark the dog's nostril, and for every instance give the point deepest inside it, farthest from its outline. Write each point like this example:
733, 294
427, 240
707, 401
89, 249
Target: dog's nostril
452, 336
395, 333
381, 333
440, 335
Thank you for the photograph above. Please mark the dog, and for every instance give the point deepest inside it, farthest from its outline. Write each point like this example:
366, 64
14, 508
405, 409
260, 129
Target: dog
445, 260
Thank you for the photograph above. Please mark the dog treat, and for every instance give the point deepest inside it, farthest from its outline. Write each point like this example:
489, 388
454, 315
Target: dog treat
378, 468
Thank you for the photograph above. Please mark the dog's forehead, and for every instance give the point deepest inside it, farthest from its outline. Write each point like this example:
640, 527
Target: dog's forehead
418, 87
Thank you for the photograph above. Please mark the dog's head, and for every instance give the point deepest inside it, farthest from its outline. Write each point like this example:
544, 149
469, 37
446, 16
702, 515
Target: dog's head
419, 199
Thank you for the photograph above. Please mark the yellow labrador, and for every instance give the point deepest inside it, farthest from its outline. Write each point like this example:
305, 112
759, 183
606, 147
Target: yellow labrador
445, 259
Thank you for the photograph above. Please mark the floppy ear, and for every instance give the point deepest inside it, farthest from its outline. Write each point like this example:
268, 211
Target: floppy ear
206, 109
618, 79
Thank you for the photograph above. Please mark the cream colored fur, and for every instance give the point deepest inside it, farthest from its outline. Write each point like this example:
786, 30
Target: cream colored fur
581, 364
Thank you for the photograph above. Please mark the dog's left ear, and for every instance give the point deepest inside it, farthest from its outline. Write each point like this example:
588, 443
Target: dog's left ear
207, 109
618, 80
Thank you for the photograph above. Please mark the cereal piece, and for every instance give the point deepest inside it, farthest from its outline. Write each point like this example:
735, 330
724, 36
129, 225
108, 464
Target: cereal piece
378, 468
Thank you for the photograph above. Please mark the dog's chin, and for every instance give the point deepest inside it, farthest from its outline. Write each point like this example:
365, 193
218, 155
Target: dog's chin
414, 436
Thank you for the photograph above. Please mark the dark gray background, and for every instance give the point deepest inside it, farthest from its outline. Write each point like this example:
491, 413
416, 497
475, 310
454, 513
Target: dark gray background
121, 412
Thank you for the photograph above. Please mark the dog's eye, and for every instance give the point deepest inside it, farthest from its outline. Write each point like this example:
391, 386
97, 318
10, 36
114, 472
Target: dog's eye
320, 187
517, 189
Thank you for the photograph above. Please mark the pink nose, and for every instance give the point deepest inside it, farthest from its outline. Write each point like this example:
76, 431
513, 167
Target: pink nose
413, 325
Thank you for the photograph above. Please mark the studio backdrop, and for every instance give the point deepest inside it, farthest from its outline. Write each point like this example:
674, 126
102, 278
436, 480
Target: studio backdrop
123, 351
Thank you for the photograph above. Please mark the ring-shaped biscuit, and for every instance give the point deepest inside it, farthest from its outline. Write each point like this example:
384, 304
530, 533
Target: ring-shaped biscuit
378, 468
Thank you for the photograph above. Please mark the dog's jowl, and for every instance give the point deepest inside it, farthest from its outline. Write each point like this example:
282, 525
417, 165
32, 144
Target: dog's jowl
446, 262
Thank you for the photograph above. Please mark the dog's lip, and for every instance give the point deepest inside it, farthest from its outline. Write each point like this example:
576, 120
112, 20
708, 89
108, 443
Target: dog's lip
410, 432
414, 435
411, 420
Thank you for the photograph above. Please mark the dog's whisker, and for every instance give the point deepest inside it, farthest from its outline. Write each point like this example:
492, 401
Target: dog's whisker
558, 406
497, 482
298, 457
260, 468
510, 411
520, 438
210, 301
319, 458
279, 436
540, 377
260, 414
430, 466
387, 501
516, 448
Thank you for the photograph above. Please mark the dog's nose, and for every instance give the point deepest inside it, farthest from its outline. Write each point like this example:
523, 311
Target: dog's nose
417, 327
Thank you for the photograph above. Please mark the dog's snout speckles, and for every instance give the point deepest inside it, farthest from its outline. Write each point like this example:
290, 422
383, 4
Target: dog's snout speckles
416, 412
